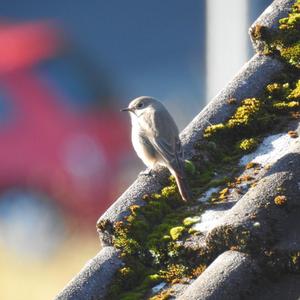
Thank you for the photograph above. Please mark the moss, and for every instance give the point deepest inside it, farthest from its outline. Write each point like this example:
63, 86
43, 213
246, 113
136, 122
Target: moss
248, 145
218, 181
190, 167
174, 272
252, 165
164, 295
292, 21
245, 113
223, 194
176, 232
144, 237
291, 53
260, 32
254, 117
193, 231
295, 93
147, 240
213, 129
294, 262
249, 118
286, 106
198, 270
235, 238
280, 200
139, 292
189, 221
278, 90
285, 41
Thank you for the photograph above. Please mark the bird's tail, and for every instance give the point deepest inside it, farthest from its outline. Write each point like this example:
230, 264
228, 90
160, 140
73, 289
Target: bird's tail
183, 186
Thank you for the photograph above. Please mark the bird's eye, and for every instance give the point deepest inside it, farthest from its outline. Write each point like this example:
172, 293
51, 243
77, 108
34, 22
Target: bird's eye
140, 105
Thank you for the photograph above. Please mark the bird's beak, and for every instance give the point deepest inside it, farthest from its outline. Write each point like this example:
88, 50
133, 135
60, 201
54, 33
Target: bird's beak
126, 109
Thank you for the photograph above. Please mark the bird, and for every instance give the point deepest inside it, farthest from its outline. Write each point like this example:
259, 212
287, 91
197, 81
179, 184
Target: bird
155, 139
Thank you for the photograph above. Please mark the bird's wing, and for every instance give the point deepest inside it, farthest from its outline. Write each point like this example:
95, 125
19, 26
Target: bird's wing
171, 154
163, 135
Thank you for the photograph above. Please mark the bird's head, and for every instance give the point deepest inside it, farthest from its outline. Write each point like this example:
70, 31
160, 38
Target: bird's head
141, 105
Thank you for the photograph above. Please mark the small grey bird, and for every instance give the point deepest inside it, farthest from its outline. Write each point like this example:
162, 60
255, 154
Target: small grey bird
155, 139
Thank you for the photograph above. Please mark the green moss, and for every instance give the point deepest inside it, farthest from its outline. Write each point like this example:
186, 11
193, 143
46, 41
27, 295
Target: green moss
213, 129
193, 231
286, 41
190, 167
164, 295
174, 272
248, 145
139, 292
253, 116
176, 232
286, 105
189, 221
245, 113
295, 261
148, 236
292, 21
147, 240
218, 181
291, 53
278, 90
235, 238
295, 93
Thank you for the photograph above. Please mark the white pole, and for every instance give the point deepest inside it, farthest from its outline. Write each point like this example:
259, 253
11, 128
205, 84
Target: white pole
226, 42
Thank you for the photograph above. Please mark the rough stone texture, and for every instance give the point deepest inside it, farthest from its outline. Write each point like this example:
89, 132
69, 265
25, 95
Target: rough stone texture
286, 287
290, 234
269, 18
142, 185
91, 282
257, 205
258, 72
248, 83
230, 276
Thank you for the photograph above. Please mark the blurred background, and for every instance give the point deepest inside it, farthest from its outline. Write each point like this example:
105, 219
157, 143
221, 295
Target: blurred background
66, 68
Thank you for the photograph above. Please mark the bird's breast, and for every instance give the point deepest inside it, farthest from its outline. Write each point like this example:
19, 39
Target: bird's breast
143, 146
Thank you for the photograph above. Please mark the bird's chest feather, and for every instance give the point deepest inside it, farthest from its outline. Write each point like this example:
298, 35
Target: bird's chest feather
142, 146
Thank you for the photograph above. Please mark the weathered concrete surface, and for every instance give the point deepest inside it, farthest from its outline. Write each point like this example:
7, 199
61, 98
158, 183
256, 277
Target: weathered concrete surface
289, 240
248, 82
258, 72
91, 282
269, 18
287, 286
234, 271
229, 277
257, 206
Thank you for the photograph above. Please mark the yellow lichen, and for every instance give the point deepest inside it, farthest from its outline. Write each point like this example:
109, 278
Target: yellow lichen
174, 272
251, 165
223, 194
280, 200
286, 105
164, 295
245, 113
212, 129
176, 232
248, 144
295, 94
189, 221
